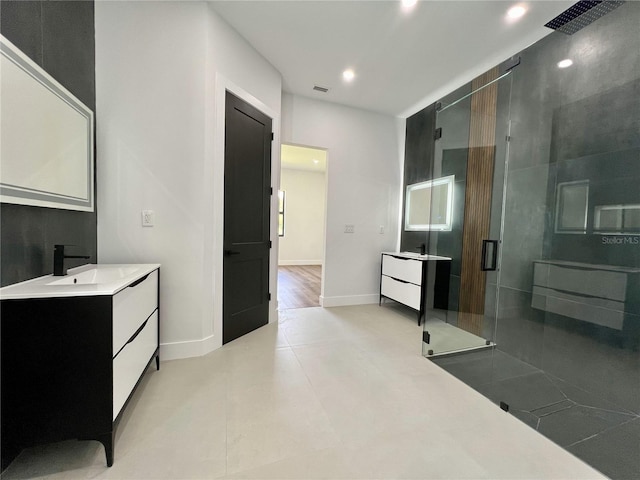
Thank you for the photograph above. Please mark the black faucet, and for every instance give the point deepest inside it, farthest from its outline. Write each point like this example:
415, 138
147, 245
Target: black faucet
422, 247
58, 259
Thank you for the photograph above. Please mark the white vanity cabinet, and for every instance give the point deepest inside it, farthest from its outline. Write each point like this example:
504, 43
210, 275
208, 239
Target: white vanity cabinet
135, 335
74, 353
406, 278
402, 280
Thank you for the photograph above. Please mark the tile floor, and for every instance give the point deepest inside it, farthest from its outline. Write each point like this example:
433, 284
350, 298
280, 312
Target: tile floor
602, 433
325, 393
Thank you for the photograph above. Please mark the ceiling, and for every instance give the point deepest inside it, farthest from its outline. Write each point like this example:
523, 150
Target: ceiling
403, 59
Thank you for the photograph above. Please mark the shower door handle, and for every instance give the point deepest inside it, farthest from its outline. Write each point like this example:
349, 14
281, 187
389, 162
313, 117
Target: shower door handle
486, 266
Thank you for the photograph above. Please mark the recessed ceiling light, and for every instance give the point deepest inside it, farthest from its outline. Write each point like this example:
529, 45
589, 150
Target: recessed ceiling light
567, 62
348, 75
516, 12
409, 3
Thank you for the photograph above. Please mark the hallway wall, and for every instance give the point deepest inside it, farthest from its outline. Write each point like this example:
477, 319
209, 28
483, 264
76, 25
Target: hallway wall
363, 184
305, 199
160, 69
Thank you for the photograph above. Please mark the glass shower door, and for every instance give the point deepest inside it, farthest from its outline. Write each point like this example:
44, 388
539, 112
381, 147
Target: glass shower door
471, 149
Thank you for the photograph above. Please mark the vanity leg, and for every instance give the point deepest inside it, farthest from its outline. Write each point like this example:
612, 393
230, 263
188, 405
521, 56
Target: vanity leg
419, 318
158, 362
107, 440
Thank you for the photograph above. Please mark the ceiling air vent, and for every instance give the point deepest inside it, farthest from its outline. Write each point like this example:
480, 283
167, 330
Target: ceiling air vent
320, 89
582, 14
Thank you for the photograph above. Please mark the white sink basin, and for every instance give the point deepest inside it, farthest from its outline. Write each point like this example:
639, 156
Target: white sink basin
87, 280
95, 276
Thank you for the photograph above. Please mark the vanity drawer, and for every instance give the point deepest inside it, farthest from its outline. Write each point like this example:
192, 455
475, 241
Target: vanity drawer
131, 307
130, 363
408, 269
406, 293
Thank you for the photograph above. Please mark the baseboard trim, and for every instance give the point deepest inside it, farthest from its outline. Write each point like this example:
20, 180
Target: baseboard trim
343, 301
188, 349
287, 263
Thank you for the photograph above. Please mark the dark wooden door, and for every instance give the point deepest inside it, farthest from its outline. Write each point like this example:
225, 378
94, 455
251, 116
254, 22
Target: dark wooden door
247, 192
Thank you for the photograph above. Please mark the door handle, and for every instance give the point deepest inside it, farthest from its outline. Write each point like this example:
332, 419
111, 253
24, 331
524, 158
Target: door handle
228, 253
494, 255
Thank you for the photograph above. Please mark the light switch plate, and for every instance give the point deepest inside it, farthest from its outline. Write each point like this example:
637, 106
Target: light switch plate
147, 218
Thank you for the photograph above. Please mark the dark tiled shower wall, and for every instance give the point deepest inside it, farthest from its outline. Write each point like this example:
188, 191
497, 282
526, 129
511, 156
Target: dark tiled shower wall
574, 381
449, 244
578, 123
597, 139
581, 123
58, 36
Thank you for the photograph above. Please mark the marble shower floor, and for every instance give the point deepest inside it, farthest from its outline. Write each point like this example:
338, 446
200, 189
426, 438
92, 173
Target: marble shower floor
325, 393
446, 338
594, 429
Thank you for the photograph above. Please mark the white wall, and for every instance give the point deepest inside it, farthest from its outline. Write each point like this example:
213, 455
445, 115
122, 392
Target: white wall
304, 209
364, 158
161, 72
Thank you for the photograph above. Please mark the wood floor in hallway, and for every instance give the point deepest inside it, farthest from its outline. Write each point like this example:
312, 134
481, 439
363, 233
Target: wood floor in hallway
299, 286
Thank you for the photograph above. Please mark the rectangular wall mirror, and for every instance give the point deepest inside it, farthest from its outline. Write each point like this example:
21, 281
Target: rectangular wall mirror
46, 140
572, 206
429, 205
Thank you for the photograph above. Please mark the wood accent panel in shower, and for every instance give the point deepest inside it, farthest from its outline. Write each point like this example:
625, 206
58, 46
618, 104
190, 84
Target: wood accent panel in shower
477, 202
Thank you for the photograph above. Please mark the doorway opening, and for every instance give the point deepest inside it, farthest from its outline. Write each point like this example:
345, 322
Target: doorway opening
301, 226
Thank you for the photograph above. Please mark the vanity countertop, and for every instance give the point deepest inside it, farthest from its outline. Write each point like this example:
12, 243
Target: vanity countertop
416, 256
84, 281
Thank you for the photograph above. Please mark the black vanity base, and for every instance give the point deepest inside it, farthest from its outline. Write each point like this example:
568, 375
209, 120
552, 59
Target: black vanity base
57, 373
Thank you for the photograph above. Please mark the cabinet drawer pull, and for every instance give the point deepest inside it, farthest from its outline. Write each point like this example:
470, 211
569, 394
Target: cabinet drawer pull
139, 281
401, 258
133, 337
398, 280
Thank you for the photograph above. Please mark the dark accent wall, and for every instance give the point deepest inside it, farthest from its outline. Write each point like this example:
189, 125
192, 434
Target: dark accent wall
418, 165
60, 37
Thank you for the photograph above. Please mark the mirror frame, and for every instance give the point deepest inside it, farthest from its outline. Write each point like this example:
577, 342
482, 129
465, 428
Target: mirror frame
79, 166
440, 227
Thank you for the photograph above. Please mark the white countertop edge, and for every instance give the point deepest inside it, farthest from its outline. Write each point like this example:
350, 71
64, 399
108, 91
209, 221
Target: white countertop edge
416, 256
30, 288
